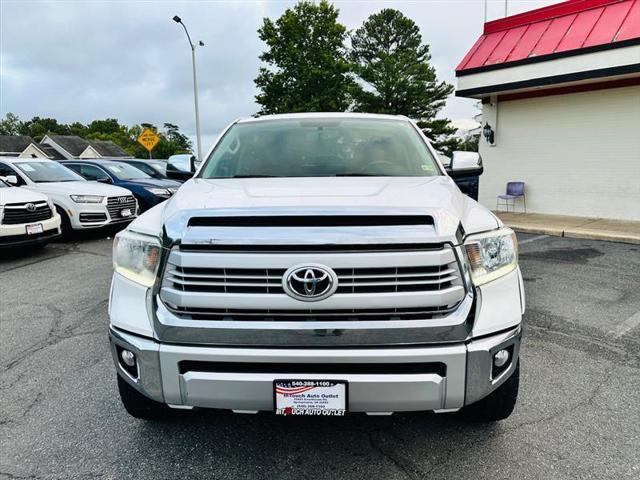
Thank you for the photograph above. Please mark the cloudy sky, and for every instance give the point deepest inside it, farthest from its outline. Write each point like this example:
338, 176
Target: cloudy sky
91, 59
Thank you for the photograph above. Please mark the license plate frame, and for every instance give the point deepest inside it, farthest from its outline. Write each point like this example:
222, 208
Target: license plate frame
34, 228
126, 212
304, 403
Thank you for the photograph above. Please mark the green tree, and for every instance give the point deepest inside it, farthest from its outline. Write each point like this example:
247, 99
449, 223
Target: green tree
10, 125
172, 141
38, 127
395, 76
307, 67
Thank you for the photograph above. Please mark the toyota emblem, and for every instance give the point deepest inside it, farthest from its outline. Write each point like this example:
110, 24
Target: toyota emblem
310, 283
30, 207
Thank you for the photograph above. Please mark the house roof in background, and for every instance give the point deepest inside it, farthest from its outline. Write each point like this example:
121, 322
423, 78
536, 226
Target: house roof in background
51, 152
14, 144
71, 143
107, 148
567, 28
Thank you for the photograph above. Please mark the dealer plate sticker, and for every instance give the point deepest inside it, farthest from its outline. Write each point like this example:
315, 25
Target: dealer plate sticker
126, 212
310, 397
34, 228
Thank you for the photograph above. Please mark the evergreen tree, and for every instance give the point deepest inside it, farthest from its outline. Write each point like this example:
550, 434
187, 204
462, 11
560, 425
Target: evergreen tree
307, 67
395, 76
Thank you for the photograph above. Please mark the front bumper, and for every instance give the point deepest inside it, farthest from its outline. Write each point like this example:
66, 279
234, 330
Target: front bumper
16, 236
241, 379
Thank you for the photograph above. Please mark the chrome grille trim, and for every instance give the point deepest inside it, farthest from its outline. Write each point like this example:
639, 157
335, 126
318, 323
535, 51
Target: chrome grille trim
350, 280
309, 314
17, 213
381, 280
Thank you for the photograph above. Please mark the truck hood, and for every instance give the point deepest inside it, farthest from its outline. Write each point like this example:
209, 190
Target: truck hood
437, 197
80, 188
20, 195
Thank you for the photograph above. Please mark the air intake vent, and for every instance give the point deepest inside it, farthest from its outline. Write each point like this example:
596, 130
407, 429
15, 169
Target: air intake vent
312, 221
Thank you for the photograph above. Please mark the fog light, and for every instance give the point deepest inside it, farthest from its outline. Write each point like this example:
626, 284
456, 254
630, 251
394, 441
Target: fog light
501, 358
128, 358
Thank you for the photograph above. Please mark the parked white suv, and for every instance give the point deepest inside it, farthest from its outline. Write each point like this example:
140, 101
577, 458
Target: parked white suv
319, 264
26, 218
81, 204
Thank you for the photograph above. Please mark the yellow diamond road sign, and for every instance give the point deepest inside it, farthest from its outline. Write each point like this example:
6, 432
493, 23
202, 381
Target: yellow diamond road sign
148, 139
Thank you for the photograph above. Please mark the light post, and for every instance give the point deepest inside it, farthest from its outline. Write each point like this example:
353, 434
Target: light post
200, 43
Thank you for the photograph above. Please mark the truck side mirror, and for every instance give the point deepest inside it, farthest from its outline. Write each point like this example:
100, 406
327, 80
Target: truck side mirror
465, 164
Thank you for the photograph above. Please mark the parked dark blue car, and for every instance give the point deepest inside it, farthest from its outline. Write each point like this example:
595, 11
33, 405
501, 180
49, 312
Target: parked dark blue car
147, 190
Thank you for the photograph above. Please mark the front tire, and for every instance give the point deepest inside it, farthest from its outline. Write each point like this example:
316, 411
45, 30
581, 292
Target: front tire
139, 406
66, 230
499, 404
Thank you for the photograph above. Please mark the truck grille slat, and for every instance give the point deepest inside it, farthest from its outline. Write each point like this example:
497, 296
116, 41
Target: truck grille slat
353, 280
15, 214
309, 315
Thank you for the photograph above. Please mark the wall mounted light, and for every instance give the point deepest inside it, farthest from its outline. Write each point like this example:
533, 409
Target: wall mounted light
488, 133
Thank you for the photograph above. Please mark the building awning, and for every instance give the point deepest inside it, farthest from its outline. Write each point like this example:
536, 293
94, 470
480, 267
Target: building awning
550, 34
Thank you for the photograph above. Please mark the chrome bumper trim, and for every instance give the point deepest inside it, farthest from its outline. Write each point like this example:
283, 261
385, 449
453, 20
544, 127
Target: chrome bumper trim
467, 378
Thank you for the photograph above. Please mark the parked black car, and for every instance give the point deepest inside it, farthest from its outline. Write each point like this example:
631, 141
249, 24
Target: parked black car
147, 190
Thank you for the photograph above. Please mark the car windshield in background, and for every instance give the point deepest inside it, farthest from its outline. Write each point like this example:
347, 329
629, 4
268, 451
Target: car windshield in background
323, 147
124, 171
159, 167
43, 172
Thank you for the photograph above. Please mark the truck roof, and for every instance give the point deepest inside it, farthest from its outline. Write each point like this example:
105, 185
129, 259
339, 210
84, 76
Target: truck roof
316, 115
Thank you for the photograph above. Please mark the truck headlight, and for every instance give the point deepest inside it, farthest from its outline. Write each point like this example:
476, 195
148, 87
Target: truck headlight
136, 257
87, 198
492, 254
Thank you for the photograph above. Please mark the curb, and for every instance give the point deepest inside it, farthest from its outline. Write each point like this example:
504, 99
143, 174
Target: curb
577, 233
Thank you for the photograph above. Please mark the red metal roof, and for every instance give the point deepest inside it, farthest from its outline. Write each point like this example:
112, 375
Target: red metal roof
564, 27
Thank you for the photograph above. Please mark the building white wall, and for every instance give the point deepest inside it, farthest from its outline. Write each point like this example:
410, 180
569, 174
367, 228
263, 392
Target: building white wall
32, 151
579, 154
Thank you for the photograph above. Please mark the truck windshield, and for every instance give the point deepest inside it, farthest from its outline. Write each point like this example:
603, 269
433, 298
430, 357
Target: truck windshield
324, 147
43, 172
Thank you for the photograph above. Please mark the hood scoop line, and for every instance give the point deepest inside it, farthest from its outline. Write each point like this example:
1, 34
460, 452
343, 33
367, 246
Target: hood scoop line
311, 221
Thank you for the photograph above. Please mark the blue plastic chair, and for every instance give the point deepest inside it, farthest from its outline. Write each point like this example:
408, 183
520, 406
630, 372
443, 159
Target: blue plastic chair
515, 190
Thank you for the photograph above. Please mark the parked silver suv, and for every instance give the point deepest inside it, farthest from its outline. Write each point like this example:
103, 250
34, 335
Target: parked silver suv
319, 264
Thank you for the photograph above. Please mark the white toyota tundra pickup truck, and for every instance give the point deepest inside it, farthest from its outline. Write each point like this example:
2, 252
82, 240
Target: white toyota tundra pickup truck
319, 264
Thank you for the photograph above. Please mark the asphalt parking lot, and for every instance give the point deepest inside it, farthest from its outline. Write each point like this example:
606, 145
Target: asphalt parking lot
578, 414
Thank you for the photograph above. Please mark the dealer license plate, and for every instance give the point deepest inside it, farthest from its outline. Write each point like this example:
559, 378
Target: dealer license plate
310, 397
126, 212
34, 228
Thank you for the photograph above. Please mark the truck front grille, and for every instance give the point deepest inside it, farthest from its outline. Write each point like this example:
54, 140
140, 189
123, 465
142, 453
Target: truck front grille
17, 213
371, 285
350, 280
115, 205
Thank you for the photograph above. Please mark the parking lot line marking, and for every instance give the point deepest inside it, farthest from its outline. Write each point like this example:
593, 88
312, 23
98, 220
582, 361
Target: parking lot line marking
529, 240
630, 323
